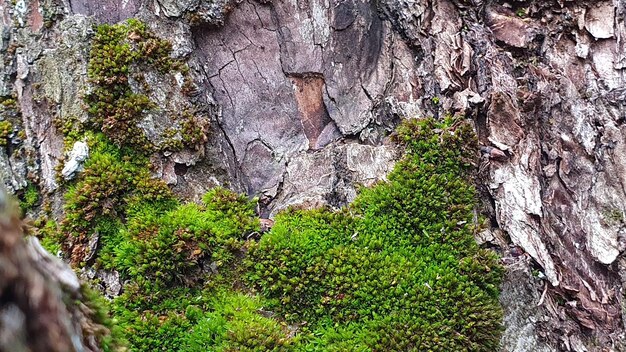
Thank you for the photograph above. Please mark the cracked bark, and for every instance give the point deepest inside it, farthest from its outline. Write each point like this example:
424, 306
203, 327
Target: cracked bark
543, 80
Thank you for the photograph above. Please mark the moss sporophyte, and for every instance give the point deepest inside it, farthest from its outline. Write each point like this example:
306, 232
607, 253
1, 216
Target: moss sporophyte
396, 270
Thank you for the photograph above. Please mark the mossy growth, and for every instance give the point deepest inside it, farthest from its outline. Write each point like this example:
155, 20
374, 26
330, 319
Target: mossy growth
116, 109
50, 235
161, 248
71, 128
236, 323
29, 197
12, 134
398, 269
171, 258
102, 327
612, 216
191, 134
6, 127
112, 179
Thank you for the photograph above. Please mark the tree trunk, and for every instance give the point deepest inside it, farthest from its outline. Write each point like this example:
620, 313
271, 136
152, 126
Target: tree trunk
301, 95
42, 305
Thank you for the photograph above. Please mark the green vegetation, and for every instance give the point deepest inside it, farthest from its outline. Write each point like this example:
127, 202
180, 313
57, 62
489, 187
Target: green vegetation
50, 236
236, 324
171, 258
165, 248
112, 178
612, 216
116, 177
115, 108
116, 51
6, 127
29, 197
107, 333
397, 270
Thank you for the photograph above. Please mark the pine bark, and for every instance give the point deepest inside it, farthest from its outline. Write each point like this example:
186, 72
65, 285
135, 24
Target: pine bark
302, 94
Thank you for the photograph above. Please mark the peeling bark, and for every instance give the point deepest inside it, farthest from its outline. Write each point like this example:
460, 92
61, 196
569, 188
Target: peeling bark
302, 94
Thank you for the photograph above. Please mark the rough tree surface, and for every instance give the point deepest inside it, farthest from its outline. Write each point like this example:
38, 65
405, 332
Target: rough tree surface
302, 94
41, 300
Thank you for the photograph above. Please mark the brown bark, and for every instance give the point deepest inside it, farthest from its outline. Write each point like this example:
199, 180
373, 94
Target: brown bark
302, 94
38, 295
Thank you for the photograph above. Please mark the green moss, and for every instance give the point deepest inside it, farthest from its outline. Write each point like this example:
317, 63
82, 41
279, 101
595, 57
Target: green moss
6, 127
116, 109
235, 322
169, 255
399, 268
171, 141
29, 197
163, 249
612, 216
107, 333
71, 128
113, 179
193, 131
50, 236
396, 270
110, 176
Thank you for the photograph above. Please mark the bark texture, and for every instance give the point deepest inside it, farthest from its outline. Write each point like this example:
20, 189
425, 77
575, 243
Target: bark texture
40, 296
302, 94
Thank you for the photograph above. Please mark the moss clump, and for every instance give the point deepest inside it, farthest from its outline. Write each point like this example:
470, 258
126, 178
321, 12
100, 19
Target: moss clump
171, 258
112, 179
50, 235
115, 107
235, 323
29, 197
107, 334
6, 127
167, 248
398, 269
192, 133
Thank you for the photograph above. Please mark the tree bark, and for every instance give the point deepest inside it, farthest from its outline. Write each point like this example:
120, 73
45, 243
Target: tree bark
302, 94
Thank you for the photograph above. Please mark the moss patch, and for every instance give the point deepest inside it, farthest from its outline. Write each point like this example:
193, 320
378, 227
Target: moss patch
119, 52
28, 197
396, 270
6, 127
